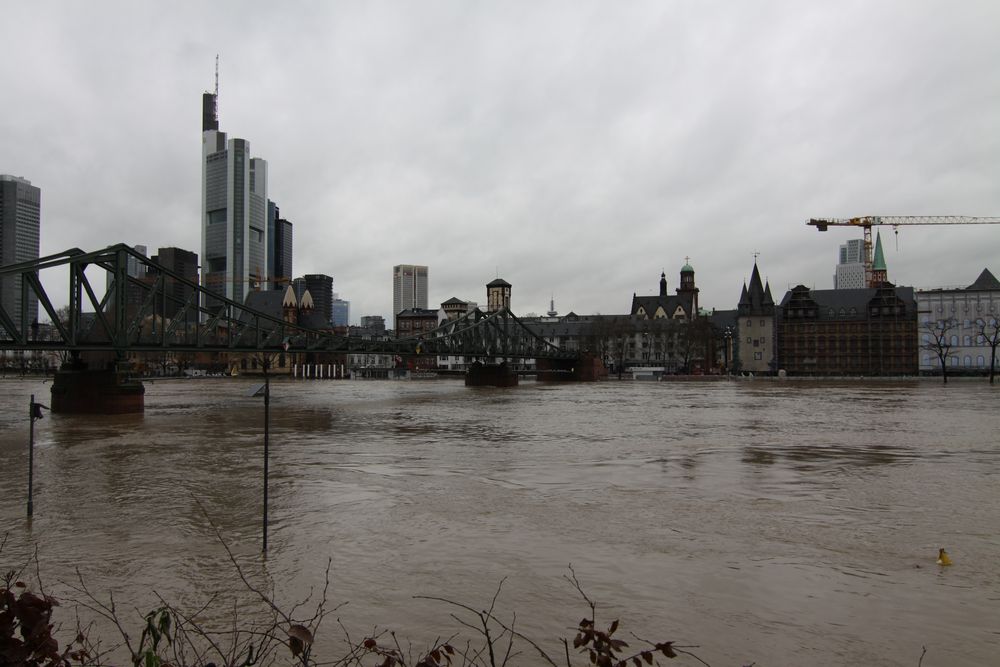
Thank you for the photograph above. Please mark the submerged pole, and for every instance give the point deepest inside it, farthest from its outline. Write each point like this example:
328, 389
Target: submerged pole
31, 455
267, 428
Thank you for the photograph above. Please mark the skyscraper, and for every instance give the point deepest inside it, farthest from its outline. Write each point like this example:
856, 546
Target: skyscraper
851, 267
320, 288
20, 219
234, 210
185, 263
409, 287
279, 248
341, 311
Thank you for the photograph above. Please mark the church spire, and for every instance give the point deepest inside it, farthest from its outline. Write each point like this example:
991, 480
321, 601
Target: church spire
879, 272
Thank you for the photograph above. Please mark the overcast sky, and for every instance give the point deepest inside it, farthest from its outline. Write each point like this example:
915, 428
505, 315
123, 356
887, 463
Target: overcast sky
575, 149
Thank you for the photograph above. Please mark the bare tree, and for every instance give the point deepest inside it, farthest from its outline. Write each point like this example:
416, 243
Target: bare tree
989, 329
938, 341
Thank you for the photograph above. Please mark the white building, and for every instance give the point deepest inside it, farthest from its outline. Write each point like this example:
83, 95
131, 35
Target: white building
964, 311
850, 272
234, 210
409, 288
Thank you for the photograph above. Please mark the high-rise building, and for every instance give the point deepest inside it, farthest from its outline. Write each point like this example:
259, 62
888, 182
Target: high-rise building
409, 287
20, 219
851, 267
320, 288
185, 263
279, 248
341, 312
234, 210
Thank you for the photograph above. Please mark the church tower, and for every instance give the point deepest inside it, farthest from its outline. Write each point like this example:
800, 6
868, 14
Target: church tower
879, 273
687, 288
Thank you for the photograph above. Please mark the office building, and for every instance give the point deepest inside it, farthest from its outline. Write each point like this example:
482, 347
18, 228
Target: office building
850, 271
409, 288
320, 287
341, 311
178, 294
20, 219
234, 210
279, 248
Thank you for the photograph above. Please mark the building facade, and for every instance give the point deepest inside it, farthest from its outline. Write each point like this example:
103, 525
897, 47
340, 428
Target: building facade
234, 211
340, 310
279, 248
409, 287
184, 263
965, 315
850, 271
755, 327
20, 224
869, 331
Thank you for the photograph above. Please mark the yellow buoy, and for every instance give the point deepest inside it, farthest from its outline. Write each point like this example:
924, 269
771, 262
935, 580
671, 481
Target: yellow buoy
943, 558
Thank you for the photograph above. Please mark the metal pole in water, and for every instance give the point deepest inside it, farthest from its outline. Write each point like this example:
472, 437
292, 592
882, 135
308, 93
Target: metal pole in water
267, 426
31, 454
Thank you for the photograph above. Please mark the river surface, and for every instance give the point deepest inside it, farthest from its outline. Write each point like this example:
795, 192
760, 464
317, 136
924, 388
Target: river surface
782, 523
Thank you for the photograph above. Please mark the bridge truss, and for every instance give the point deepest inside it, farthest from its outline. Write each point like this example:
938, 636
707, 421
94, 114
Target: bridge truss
163, 311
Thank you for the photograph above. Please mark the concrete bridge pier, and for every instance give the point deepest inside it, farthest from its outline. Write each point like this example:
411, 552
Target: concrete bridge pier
77, 389
490, 375
586, 368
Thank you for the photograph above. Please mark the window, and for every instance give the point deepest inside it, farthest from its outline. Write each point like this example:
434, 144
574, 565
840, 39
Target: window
762, 323
749, 323
758, 356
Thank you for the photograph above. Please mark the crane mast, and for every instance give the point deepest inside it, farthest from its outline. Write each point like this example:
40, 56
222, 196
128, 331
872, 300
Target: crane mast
866, 222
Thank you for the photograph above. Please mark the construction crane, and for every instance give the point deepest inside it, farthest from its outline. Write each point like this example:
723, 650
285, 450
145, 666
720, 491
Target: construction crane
868, 221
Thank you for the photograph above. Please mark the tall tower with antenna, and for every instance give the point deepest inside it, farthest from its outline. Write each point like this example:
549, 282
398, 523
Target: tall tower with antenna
234, 208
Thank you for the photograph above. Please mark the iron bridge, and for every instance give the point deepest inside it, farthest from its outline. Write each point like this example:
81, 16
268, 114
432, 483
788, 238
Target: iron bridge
109, 310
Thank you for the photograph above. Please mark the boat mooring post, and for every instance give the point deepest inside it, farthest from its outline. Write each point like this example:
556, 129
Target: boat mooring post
34, 413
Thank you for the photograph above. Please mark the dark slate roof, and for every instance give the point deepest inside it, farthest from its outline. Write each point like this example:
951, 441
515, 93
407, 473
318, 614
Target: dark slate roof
266, 301
985, 281
669, 303
847, 298
499, 282
455, 301
311, 319
417, 312
724, 318
756, 299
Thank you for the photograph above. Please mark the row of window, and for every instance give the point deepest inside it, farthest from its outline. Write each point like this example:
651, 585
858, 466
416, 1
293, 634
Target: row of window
966, 341
953, 361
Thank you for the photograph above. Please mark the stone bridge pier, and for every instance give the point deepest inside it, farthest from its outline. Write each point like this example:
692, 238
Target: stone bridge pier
586, 368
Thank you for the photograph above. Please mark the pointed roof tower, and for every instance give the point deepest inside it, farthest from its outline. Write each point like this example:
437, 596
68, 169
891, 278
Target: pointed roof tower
879, 272
289, 300
985, 281
756, 299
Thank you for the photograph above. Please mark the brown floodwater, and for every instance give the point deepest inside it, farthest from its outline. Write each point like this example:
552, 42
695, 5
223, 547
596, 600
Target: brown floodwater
776, 522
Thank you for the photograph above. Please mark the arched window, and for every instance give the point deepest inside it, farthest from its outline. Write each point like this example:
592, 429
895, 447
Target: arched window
954, 341
968, 341
968, 361
981, 361
954, 362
